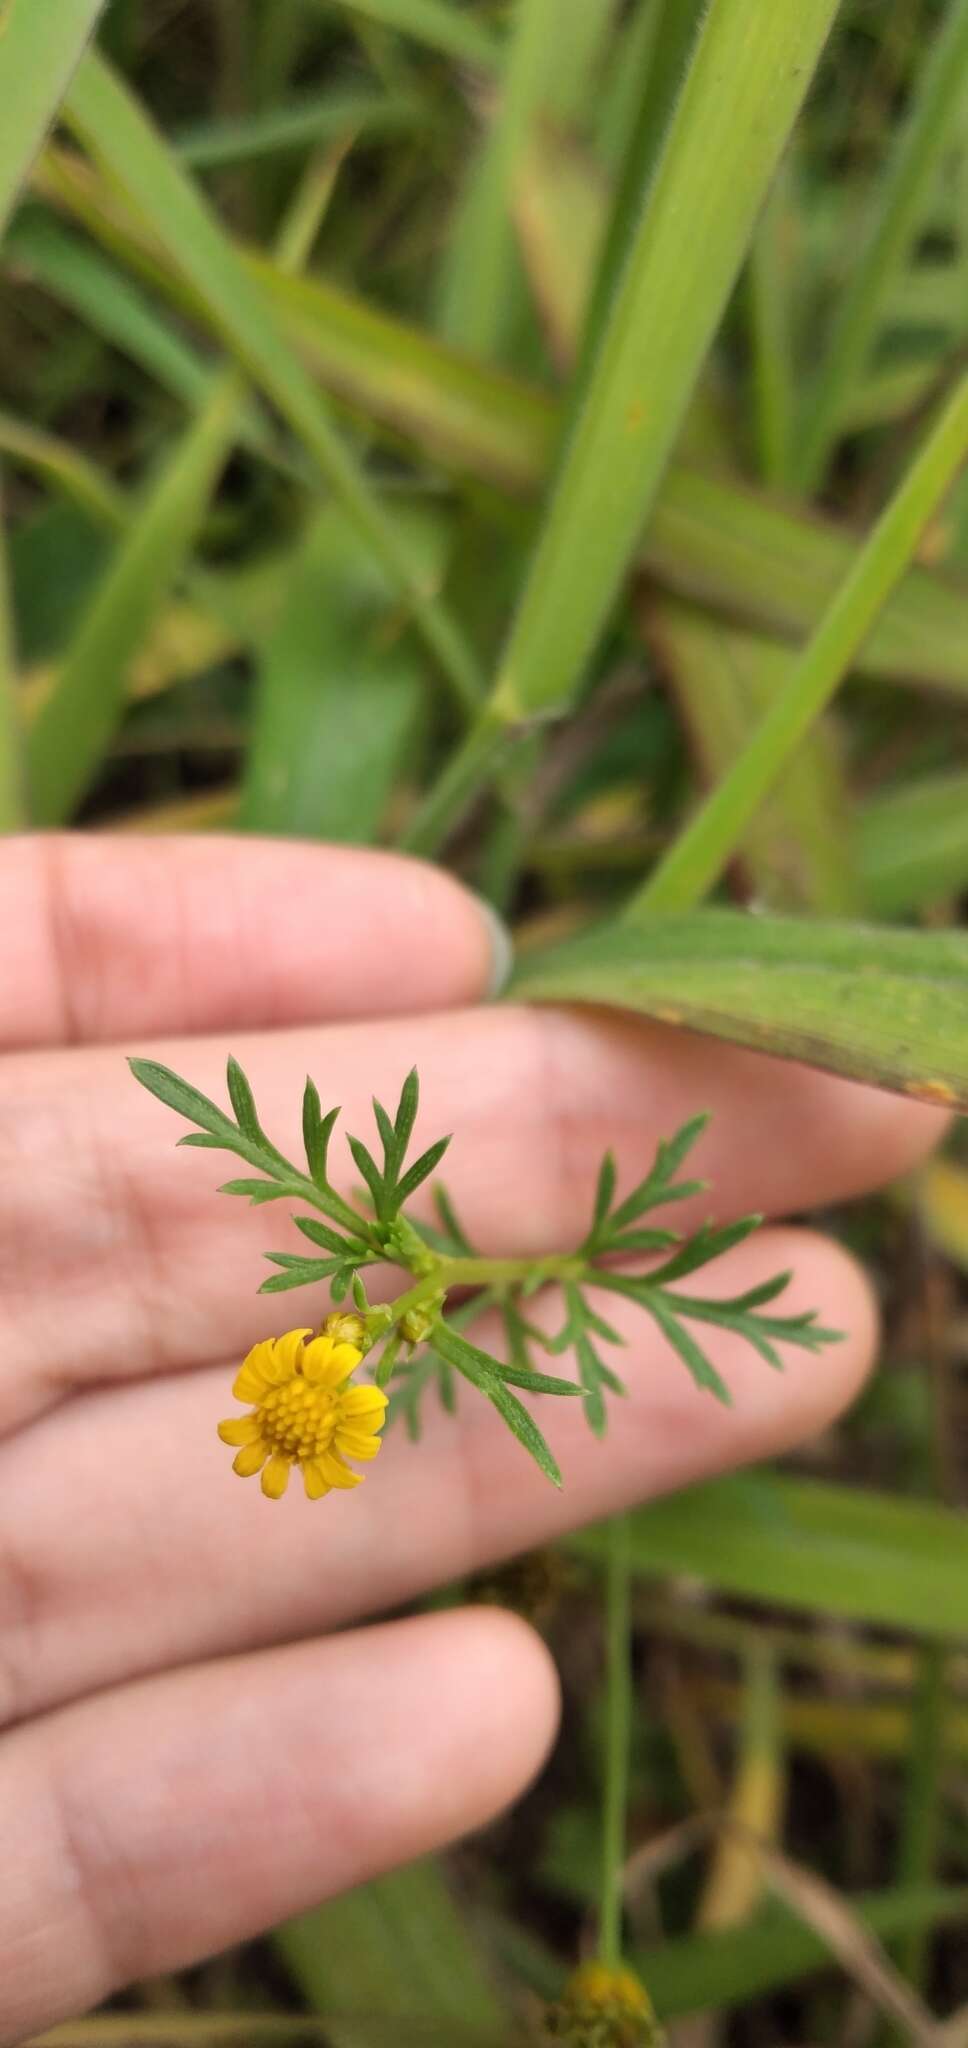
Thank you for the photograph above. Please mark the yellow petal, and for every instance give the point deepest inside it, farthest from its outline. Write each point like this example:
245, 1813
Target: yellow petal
319, 1364
239, 1429
351, 1443
275, 1478
313, 1480
370, 1402
252, 1379
335, 1472
251, 1459
286, 1353
347, 1357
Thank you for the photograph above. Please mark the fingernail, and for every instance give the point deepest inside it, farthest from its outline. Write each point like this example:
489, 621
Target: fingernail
502, 947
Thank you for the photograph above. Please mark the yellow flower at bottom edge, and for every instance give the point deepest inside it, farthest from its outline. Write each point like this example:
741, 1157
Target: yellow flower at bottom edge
306, 1413
604, 2007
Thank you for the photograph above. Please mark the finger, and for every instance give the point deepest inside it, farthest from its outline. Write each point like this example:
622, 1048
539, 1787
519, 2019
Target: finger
154, 1273
275, 1781
107, 1507
107, 938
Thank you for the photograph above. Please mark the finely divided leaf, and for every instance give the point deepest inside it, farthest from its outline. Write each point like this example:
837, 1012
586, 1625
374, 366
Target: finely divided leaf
420, 1170
482, 1372
317, 1130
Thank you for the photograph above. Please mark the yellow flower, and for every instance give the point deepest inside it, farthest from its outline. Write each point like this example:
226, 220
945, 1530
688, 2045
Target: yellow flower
306, 1414
604, 2007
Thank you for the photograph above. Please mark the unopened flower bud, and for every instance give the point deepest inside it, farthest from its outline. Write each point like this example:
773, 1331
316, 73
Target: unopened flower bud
603, 2007
346, 1329
418, 1322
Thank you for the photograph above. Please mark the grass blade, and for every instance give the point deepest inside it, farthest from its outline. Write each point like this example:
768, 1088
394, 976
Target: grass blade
720, 153
773, 380
765, 1536
700, 853
119, 136
710, 537
398, 1947
478, 286
912, 845
719, 1969
40, 53
75, 724
886, 1007
271, 131
664, 58
796, 852
901, 202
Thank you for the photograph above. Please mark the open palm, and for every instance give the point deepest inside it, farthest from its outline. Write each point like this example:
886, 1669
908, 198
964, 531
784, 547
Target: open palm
197, 1742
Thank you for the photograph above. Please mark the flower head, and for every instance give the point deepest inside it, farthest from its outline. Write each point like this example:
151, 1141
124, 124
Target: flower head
604, 2007
306, 1413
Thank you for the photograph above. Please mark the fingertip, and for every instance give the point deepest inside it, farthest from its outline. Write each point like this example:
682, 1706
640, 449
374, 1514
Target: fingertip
510, 1689
882, 1135
815, 1389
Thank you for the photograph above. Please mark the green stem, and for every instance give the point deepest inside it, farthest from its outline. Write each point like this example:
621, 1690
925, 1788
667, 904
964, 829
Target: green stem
618, 1725
473, 765
702, 851
447, 1273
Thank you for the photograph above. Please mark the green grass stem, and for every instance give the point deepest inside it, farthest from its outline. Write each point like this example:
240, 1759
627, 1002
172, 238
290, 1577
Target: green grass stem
701, 852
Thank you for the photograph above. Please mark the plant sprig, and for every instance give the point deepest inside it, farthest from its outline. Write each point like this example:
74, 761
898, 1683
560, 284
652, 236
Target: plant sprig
421, 1332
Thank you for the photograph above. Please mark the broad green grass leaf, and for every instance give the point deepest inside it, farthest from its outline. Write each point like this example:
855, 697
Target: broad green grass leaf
886, 1007
742, 93
74, 727
397, 1948
339, 694
803, 1543
796, 851
120, 137
40, 50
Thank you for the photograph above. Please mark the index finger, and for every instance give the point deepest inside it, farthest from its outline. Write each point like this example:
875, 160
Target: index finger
107, 938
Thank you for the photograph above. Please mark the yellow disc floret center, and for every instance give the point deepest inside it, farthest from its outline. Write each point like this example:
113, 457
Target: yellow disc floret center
298, 1419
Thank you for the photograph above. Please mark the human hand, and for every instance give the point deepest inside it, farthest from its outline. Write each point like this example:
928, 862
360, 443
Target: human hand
172, 1779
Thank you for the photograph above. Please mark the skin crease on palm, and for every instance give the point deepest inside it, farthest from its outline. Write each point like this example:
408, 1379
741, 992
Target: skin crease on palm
204, 1730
